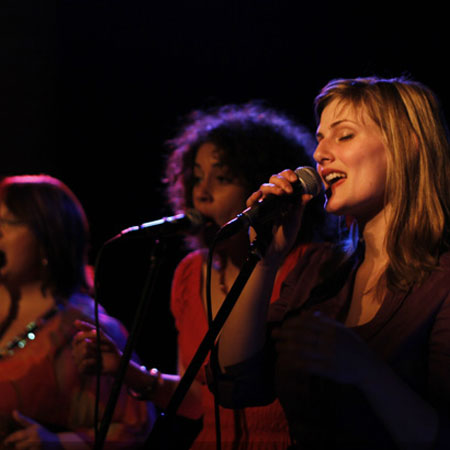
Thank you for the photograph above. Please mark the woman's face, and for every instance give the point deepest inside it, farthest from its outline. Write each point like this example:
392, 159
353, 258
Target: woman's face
21, 250
352, 161
217, 194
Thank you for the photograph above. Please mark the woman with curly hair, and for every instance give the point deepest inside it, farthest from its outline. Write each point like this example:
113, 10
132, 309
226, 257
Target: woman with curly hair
219, 157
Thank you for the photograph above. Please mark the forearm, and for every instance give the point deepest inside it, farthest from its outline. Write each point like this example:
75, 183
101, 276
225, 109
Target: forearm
150, 385
244, 332
70, 441
412, 422
159, 390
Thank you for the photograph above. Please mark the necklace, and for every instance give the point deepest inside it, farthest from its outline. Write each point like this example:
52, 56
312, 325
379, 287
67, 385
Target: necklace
21, 340
219, 265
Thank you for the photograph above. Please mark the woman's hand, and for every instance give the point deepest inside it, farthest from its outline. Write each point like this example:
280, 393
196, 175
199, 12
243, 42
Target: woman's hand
31, 436
318, 345
84, 350
288, 224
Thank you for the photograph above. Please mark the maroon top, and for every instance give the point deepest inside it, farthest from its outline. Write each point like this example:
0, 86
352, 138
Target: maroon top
411, 332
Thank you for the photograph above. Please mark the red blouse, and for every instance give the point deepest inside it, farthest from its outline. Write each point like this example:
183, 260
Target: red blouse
249, 428
42, 382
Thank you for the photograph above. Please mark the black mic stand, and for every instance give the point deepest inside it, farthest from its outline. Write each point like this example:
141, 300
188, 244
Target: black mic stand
159, 438
140, 316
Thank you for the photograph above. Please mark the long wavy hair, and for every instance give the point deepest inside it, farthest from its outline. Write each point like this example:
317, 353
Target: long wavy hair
415, 135
253, 141
59, 223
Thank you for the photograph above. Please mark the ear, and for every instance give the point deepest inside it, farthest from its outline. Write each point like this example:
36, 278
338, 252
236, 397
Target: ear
43, 256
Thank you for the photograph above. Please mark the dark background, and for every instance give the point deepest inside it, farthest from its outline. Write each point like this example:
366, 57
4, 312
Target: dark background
90, 90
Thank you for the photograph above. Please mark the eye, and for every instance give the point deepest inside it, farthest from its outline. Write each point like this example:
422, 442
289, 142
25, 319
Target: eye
223, 179
346, 137
196, 179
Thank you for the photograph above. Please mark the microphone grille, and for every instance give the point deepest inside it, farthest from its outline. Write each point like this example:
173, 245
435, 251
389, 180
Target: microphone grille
310, 180
196, 219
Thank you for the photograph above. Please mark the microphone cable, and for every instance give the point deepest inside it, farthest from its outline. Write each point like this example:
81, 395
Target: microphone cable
213, 356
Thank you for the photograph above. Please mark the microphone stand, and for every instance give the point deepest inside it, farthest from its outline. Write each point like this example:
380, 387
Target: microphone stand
140, 316
165, 421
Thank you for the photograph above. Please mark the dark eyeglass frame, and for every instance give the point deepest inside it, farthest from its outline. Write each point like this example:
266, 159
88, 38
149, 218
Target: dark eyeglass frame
11, 222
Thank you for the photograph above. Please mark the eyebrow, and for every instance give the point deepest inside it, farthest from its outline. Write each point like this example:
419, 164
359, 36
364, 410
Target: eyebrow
334, 125
217, 164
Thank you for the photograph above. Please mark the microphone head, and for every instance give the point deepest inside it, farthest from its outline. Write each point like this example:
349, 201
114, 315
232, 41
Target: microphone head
310, 180
196, 219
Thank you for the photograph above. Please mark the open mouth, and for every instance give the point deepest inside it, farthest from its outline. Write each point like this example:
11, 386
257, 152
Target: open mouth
333, 177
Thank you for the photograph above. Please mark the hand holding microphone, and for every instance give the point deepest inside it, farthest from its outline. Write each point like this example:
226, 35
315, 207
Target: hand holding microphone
275, 200
264, 207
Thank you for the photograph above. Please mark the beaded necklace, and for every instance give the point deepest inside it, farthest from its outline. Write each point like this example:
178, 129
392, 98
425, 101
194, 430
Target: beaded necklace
21, 340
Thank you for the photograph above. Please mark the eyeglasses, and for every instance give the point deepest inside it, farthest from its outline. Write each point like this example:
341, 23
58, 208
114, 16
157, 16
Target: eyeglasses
11, 222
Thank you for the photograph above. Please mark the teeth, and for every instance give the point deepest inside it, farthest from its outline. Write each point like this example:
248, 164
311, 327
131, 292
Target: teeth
334, 176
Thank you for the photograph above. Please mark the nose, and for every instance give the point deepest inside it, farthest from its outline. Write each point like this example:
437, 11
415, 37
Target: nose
323, 152
202, 190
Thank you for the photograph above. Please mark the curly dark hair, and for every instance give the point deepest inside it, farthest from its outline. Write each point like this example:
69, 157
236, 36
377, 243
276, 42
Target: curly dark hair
253, 141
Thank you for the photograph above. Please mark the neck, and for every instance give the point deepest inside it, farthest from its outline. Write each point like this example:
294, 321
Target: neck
234, 250
29, 296
373, 232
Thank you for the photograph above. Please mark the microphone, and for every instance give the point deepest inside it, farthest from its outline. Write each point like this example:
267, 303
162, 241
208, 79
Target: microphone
309, 182
189, 222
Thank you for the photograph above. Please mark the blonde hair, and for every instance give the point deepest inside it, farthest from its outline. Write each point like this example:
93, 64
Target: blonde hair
410, 119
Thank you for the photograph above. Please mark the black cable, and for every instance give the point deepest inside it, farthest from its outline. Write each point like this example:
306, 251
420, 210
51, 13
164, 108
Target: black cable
98, 362
213, 349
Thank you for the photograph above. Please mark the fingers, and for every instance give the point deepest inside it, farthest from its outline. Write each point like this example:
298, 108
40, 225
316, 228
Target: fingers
33, 436
83, 336
88, 366
282, 182
254, 198
88, 332
22, 420
84, 349
88, 356
16, 439
278, 184
26, 437
84, 326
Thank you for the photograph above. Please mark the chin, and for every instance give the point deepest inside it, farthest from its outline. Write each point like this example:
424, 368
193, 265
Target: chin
336, 209
208, 233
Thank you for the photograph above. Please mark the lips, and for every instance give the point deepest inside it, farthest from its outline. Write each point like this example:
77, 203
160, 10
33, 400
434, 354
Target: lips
332, 177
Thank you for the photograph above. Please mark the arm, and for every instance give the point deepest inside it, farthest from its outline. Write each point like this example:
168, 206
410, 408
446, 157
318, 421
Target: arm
33, 434
243, 335
132, 419
408, 417
159, 388
318, 345
155, 386
147, 385
143, 384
